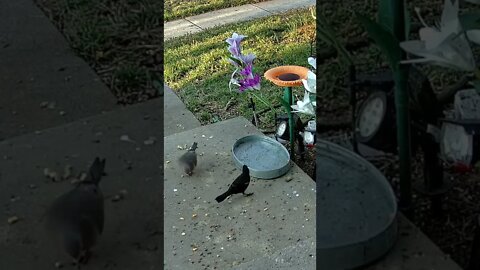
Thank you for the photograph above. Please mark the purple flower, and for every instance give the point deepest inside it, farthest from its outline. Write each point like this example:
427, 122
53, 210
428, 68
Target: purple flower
243, 75
235, 39
234, 43
235, 50
247, 59
250, 83
247, 71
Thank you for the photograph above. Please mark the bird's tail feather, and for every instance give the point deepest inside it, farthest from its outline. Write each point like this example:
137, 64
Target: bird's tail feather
222, 197
97, 170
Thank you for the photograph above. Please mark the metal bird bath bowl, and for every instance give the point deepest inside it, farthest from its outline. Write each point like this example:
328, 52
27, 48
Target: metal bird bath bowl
265, 157
356, 210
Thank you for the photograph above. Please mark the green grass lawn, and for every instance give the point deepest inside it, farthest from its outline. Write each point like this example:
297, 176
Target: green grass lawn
196, 66
177, 9
121, 40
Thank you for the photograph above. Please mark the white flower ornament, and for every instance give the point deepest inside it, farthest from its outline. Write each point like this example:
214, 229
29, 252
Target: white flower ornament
444, 44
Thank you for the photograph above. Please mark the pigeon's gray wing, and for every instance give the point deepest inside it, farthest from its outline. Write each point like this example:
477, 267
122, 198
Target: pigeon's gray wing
86, 200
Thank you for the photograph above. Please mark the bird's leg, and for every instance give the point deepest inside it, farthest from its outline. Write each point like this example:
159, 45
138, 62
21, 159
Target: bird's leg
247, 194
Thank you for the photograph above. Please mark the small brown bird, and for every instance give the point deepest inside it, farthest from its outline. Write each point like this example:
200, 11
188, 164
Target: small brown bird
189, 160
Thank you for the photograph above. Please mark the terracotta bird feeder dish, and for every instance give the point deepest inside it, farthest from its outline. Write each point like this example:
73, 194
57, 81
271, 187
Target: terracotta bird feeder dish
287, 76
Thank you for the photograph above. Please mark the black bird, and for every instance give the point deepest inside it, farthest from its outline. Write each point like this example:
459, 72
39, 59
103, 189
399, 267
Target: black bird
238, 186
189, 160
75, 219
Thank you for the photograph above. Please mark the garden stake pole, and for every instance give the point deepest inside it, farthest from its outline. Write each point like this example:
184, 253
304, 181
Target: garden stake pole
255, 118
288, 97
353, 102
401, 106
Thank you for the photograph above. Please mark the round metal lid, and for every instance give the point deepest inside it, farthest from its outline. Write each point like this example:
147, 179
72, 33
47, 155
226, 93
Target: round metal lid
356, 209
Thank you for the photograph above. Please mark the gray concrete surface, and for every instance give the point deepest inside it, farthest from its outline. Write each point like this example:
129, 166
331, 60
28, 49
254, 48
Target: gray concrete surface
37, 65
176, 116
228, 15
132, 237
300, 255
414, 251
202, 234
247, 12
179, 28
278, 6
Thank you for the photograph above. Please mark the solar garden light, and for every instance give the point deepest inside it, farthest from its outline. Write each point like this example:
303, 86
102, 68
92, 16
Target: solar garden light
304, 133
309, 133
460, 132
374, 119
374, 124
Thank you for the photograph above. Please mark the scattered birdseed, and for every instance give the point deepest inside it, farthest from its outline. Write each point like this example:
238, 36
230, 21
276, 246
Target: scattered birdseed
44, 104
12, 220
126, 138
151, 140
67, 172
54, 176
75, 180
117, 198
183, 233
46, 172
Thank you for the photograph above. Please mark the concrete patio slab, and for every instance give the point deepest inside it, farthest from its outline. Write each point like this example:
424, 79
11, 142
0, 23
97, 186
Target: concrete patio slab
414, 251
203, 234
132, 238
176, 118
37, 66
228, 15
179, 28
278, 6
301, 255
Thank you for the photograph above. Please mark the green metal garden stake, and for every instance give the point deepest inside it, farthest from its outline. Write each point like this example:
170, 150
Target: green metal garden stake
288, 97
401, 105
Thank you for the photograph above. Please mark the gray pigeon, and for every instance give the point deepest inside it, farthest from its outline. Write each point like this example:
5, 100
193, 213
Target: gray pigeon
189, 160
75, 219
